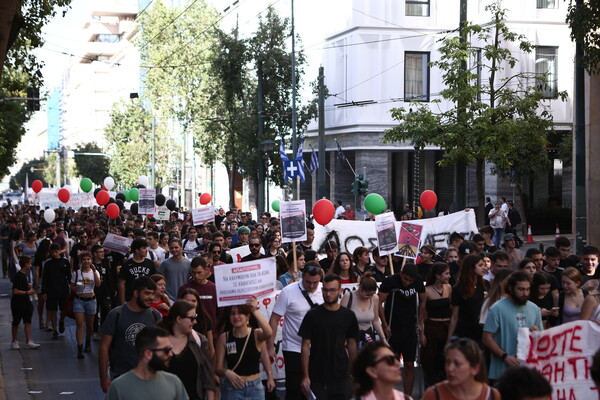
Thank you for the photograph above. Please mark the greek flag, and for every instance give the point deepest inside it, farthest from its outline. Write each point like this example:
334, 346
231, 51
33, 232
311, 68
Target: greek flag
314, 162
292, 168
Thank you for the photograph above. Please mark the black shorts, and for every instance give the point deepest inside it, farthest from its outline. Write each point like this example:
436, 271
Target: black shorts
404, 341
21, 311
54, 303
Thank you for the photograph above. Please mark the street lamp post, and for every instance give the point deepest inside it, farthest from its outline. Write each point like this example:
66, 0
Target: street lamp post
265, 147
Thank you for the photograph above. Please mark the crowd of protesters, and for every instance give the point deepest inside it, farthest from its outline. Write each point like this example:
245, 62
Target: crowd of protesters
454, 310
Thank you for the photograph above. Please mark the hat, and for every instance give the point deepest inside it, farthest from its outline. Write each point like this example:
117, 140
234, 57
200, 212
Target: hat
410, 269
508, 236
465, 249
243, 229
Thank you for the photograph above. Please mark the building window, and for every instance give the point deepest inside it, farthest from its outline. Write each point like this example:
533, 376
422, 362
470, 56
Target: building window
547, 3
546, 69
416, 76
108, 38
417, 8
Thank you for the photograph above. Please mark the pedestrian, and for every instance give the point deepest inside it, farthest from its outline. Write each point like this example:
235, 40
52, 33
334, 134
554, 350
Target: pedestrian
465, 372
134, 268
205, 288
294, 301
522, 383
342, 266
149, 380
362, 260
191, 360
21, 306
541, 296
107, 291
376, 372
238, 352
160, 301
571, 298
515, 255
329, 334
203, 323
83, 282
331, 250
55, 285
176, 269
498, 221
41, 255
119, 331
401, 294
504, 320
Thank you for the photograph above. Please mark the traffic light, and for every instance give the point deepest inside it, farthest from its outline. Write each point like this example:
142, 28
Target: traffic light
360, 185
356, 188
33, 99
364, 185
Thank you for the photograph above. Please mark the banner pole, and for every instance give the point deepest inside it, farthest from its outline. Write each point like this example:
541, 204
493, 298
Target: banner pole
391, 261
294, 252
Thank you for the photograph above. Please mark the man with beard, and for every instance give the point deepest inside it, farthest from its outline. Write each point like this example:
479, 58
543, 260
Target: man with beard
329, 333
120, 329
505, 318
148, 380
254, 244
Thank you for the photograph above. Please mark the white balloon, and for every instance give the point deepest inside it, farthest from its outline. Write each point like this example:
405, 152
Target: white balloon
143, 180
49, 215
109, 182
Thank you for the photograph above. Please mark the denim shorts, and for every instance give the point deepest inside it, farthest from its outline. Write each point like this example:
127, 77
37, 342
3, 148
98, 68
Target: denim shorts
85, 306
253, 390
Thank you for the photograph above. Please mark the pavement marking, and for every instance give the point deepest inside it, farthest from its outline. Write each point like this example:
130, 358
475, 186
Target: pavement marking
35, 391
66, 392
27, 369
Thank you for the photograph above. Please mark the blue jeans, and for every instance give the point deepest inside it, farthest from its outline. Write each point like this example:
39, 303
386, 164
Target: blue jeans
253, 390
498, 236
85, 306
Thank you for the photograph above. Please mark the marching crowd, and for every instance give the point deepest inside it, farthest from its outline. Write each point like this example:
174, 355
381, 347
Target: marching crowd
455, 310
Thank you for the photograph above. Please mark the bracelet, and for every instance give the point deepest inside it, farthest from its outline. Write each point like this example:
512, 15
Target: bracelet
269, 373
503, 356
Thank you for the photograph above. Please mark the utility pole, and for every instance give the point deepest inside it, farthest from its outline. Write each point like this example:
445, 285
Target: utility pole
260, 196
153, 154
460, 169
580, 140
295, 191
321, 188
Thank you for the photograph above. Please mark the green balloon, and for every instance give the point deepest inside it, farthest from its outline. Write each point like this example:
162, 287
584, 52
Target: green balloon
126, 193
86, 184
374, 203
275, 205
134, 194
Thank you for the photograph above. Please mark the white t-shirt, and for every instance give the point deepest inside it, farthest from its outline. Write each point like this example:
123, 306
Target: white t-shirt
292, 305
87, 280
339, 211
159, 253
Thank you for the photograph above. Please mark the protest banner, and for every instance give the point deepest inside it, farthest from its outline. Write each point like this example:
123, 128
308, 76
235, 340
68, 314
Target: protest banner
50, 199
563, 354
237, 282
386, 233
435, 231
146, 202
162, 213
409, 239
117, 243
203, 216
292, 215
238, 253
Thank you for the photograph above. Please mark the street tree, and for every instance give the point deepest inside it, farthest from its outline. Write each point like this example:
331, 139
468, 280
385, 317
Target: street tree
89, 166
584, 20
128, 139
30, 169
505, 120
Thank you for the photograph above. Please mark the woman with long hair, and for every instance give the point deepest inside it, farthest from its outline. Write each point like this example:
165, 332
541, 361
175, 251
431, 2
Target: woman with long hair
362, 260
42, 254
467, 299
571, 298
527, 266
203, 324
273, 247
160, 301
241, 346
364, 303
191, 360
84, 280
343, 267
434, 321
466, 374
496, 293
163, 243
376, 371
291, 275
541, 295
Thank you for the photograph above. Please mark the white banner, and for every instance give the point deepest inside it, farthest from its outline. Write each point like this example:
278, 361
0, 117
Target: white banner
117, 243
77, 200
238, 253
146, 204
292, 215
236, 283
563, 354
162, 213
436, 231
203, 216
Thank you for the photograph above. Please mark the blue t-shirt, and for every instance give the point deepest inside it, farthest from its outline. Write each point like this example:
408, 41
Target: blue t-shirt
504, 320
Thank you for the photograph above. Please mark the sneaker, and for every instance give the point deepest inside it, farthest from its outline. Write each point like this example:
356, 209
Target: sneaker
31, 345
87, 349
54, 335
48, 328
14, 345
80, 356
61, 326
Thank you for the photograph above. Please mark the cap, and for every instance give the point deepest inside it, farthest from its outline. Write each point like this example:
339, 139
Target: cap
465, 248
508, 236
410, 269
243, 229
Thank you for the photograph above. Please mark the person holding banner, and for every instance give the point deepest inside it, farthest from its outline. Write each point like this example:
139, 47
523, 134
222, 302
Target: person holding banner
245, 333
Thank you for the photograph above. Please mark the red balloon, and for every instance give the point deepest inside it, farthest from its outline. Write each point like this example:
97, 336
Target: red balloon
37, 185
64, 195
428, 199
103, 197
323, 211
112, 210
205, 198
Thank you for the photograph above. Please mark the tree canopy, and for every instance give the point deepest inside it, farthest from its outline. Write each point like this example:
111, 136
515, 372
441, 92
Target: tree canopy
584, 20
88, 166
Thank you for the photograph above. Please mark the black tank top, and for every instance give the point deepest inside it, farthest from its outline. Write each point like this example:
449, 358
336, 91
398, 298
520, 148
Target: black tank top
250, 359
438, 308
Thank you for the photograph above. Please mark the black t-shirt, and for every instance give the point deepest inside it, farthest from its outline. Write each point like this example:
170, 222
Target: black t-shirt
454, 270
251, 257
556, 274
378, 275
424, 269
132, 270
20, 283
403, 299
325, 264
328, 332
75, 250
468, 312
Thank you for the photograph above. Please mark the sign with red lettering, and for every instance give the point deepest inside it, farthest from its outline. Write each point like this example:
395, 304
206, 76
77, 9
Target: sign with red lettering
564, 356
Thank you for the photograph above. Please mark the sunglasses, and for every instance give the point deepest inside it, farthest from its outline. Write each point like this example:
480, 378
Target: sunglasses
192, 318
216, 252
254, 245
165, 350
389, 360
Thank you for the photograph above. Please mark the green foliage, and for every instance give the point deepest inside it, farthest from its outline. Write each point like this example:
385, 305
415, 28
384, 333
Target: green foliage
503, 121
66, 169
584, 21
94, 167
13, 116
129, 140
17, 181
